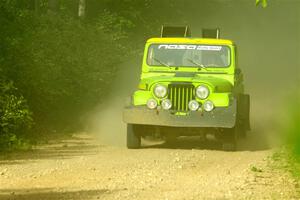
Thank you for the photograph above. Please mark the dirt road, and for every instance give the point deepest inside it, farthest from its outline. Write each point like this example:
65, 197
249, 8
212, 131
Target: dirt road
80, 168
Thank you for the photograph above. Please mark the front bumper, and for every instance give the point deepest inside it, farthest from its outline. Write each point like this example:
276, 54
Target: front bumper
220, 117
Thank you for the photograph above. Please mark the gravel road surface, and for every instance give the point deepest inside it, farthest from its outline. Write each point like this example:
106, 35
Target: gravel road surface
80, 168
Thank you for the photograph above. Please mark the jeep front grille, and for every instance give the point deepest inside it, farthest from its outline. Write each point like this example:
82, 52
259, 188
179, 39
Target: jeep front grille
180, 95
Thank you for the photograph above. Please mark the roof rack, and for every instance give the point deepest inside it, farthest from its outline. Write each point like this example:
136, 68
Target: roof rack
175, 31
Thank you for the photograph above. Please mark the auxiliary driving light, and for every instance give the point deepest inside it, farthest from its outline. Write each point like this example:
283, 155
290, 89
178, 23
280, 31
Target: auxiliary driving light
193, 105
152, 103
208, 106
166, 104
202, 92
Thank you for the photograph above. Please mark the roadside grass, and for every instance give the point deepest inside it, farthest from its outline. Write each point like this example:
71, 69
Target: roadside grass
292, 141
287, 157
294, 166
283, 160
16, 144
289, 154
31, 141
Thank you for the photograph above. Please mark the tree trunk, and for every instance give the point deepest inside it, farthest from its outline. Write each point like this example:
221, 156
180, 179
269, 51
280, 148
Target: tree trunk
81, 8
37, 7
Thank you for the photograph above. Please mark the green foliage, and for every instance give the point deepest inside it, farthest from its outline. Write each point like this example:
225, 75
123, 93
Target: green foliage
292, 127
63, 66
264, 3
69, 68
114, 24
15, 117
284, 160
289, 155
294, 165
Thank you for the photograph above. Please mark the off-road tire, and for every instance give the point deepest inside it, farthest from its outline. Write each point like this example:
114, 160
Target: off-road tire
229, 139
241, 131
170, 140
229, 146
133, 138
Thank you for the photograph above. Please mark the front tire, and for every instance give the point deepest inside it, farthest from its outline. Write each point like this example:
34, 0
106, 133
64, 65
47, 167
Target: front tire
133, 138
170, 139
229, 139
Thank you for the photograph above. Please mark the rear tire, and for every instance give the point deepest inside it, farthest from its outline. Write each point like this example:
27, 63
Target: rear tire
241, 131
133, 138
243, 115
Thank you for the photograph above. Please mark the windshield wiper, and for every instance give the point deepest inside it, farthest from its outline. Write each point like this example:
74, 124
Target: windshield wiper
160, 62
195, 63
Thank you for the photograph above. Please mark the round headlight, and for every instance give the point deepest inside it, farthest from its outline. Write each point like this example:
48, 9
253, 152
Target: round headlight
202, 92
166, 104
208, 106
152, 103
193, 105
160, 91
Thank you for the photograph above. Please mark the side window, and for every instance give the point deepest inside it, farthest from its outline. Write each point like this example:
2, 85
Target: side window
150, 56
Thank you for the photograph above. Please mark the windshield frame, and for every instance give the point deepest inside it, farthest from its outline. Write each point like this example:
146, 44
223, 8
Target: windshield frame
192, 66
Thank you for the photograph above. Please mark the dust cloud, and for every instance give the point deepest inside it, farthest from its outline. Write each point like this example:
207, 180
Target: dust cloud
106, 120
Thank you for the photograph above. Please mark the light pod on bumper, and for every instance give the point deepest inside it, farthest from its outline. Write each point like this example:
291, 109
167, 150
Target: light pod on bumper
193, 105
208, 106
152, 103
202, 92
160, 91
166, 104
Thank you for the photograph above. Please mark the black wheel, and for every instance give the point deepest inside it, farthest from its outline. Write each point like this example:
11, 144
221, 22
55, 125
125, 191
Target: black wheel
170, 140
241, 131
229, 139
133, 137
229, 146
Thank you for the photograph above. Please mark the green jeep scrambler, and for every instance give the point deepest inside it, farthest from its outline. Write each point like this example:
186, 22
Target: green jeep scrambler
188, 86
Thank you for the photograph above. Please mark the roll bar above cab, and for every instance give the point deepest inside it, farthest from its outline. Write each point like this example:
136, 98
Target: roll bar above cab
175, 31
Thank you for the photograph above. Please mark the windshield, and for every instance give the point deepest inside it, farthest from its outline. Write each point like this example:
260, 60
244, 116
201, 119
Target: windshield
180, 55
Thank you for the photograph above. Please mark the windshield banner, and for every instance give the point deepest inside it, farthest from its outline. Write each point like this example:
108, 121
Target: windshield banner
190, 47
